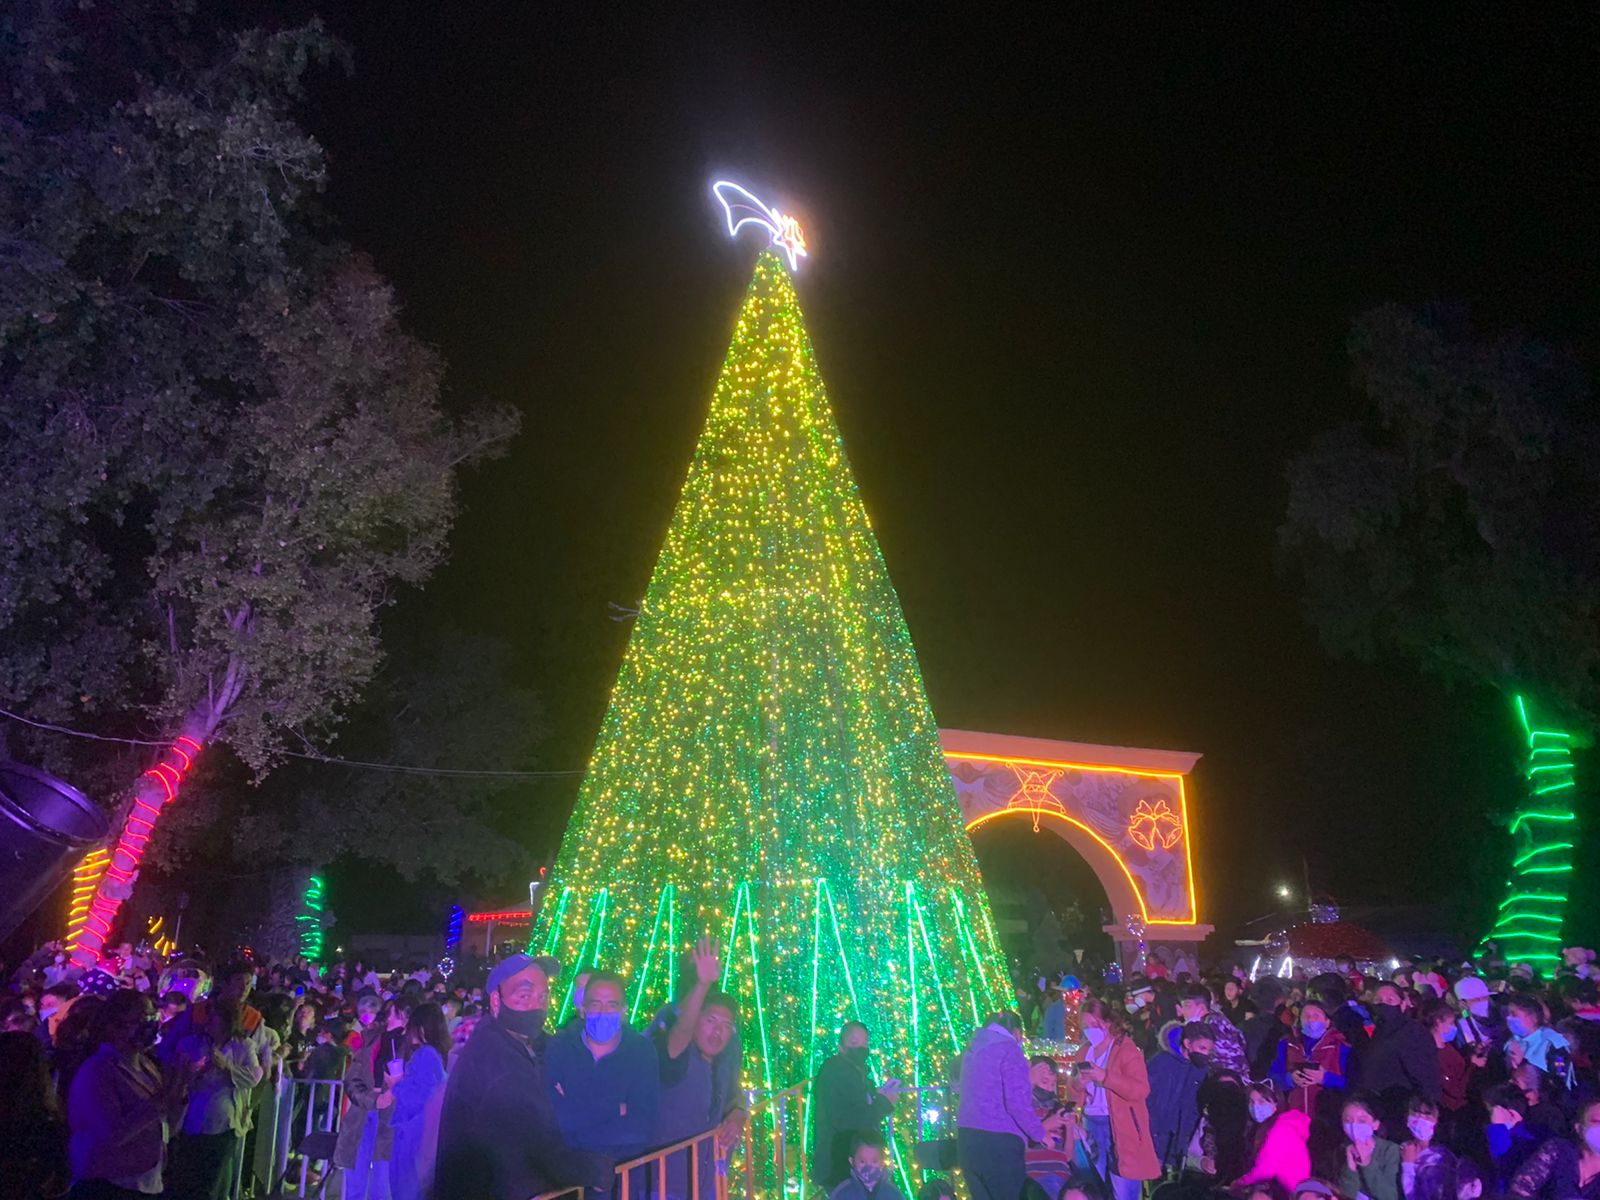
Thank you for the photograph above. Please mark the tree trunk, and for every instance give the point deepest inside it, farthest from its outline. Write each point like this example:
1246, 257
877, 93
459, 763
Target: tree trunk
1528, 927
154, 790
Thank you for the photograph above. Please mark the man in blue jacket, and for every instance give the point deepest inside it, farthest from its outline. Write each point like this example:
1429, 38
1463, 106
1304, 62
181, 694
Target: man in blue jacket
603, 1076
1174, 1092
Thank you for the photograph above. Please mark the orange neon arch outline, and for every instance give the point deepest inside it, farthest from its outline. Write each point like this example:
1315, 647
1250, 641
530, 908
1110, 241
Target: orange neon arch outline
1183, 805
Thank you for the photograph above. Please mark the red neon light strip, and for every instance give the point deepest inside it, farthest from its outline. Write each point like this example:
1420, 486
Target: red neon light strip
524, 914
135, 836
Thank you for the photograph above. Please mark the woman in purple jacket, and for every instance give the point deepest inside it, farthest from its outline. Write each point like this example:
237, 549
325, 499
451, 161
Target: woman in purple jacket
995, 1120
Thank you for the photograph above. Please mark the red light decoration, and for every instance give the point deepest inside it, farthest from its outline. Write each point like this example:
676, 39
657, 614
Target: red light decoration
518, 916
156, 788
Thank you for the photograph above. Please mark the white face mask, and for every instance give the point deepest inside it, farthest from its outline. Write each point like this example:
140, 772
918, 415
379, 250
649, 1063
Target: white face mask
1591, 1137
1094, 1036
1261, 1111
1421, 1128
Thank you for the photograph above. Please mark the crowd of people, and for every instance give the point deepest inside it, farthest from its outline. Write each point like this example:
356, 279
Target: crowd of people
1414, 1083
147, 1077
168, 1077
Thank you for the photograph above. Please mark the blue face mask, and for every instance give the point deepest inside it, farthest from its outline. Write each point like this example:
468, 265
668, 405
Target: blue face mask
1314, 1029
867, 1175
1518, 1026
602, 1027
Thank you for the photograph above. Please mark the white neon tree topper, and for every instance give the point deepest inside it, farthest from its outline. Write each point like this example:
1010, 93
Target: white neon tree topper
744, 209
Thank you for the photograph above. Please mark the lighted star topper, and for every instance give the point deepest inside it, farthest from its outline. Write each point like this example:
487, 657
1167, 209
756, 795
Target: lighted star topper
744, 209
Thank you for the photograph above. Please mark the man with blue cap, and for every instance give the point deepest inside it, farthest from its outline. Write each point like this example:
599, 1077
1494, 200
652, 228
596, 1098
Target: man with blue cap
498, 1136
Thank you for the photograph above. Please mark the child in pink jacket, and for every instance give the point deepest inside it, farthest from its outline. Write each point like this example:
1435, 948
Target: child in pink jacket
1278, 1136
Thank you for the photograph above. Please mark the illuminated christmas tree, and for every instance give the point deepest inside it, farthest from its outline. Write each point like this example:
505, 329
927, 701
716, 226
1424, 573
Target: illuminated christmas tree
769, 770
1528, 928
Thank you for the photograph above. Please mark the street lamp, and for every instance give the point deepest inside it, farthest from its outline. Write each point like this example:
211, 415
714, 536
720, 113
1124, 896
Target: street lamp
1285, 892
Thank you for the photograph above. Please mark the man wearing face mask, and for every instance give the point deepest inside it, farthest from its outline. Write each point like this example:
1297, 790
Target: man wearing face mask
1143, 1027
1480, 1028
1400, 1060
1175, 1092
845, 1105
498, 1135
603, 1076
868, 1178
1195, 1004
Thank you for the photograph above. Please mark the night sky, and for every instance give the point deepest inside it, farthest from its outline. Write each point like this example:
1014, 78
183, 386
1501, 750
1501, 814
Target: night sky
1078, 291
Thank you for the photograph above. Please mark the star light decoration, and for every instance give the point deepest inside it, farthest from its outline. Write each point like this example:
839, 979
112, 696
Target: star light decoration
768, 770
742, 208
1154, 825
1033, 791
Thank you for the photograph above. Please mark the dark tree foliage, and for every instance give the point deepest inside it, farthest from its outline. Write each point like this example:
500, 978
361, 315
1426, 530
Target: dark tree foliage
221, 451
448, 704
1459, 523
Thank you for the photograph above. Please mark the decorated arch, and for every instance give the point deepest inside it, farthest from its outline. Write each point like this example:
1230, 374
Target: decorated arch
1124, 810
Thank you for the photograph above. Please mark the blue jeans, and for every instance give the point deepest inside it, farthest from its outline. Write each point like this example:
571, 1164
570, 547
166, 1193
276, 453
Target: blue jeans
369, 1180
1105, 1160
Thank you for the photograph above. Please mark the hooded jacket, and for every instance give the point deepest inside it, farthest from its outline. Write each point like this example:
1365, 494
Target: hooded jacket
995, 1092
1174, 1104
1400, 1056
1282, 1155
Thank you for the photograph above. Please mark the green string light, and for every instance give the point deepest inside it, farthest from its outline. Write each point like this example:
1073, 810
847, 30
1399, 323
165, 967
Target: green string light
768, 769
1549, 771
310, 921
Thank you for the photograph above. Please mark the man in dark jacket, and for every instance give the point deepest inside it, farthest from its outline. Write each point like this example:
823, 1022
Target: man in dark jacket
498, 1136
699, 1053
1400, 1060
603, 1076
1175, 1090
844, 1106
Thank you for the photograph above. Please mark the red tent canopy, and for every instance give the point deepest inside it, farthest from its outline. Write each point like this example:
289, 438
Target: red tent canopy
1333, 938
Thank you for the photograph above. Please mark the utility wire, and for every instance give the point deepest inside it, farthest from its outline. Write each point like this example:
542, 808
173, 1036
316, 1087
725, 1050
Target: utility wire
332, 760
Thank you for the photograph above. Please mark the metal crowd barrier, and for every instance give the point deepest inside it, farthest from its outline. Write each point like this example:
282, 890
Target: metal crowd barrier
764, 1160
324, 1098
658, 1160
779, 1121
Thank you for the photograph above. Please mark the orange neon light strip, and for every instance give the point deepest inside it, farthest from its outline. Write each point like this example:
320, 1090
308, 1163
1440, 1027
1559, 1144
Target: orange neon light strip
1183, 807
85, 878
1006, 760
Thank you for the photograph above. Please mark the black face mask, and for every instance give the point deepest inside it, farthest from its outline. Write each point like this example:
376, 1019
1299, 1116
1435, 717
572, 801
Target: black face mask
857, 1055
145, 1035
528, 1023
1042, 1096
1383, 1014
1202, 1061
